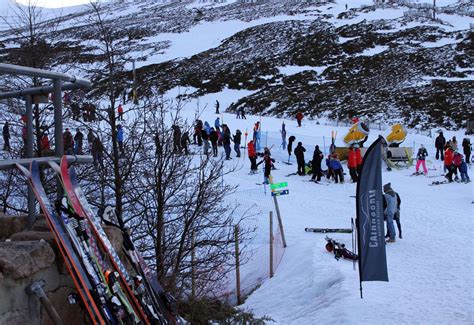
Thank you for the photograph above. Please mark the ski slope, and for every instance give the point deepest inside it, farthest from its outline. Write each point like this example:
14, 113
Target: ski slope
430, 269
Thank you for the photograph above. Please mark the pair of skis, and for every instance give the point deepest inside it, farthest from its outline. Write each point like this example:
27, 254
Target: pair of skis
101, 279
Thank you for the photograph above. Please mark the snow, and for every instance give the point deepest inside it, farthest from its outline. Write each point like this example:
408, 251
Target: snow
430, 269
375, 50
294, 69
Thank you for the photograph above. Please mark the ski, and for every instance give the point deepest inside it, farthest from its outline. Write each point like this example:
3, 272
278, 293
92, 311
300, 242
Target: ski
319, 183
433, 176
121, 287
73, 264
292, 174
439, 183
415, 174
325, 230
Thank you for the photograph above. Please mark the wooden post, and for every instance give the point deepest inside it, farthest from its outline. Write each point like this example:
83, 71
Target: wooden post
280, 223
193, 265
271, 244
237, 265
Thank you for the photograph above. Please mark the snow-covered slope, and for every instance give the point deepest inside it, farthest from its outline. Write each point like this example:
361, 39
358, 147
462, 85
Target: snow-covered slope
361, 59
430, 269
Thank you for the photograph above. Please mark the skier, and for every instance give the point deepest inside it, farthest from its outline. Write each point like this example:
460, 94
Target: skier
184, 142
316, 164
336, 168
268, 160
299, 118
6, 137
352, 163
217, 123
283, 136
78, 140
454, 143
252, 157
98, 152
205, 139
214, 137
359, 159
120, 138
422, 153
226, 137
299, 154
396, 216
242, 113
176, 138
466, 146
256, 136
68, 142
120, 112
237, 113
291, 139
207, 128
448, 163
197, 137
390, 207
90, 139
237, 139
439, 144
217, 105
457, 160
463, 172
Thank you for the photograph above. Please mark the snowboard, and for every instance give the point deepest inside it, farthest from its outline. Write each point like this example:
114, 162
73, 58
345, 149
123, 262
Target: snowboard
325, 230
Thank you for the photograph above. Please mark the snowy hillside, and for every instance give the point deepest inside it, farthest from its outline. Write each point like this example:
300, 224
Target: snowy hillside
370, 60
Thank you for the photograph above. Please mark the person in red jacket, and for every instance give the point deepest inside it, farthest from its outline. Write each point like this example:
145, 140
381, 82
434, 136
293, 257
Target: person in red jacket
448, 162
457, 161
299, 118
45, 145
359, 159
120, 112
352, 163
252, 157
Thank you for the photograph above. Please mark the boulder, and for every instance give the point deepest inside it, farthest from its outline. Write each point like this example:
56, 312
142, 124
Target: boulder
10, 225
19, 260
34, 236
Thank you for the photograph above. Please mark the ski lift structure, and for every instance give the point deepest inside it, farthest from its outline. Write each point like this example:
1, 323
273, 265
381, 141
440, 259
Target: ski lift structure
60, 82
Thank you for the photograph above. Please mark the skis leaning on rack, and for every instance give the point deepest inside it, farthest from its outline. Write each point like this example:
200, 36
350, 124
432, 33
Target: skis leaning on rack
141, 294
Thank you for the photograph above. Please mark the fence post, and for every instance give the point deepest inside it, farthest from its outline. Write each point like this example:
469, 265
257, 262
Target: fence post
271, 244
237, 265
280, 223
193, 265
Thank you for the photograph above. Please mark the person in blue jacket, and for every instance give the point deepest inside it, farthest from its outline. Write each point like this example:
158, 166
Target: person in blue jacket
120, 138
336, 167
217, 124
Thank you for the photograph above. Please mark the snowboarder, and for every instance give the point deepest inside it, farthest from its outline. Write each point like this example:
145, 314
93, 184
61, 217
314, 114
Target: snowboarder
421, 155
90, 139
466, 146
6, 137
120, 112
184, 142
390, 207
214, 137
78, 140
352, 163
120, 138
299, 118
268, 160
98, 152
217, 105
316, 164
237, 139
291, 139
440, 142
299, 154
68, 141
252, 157
283, 136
